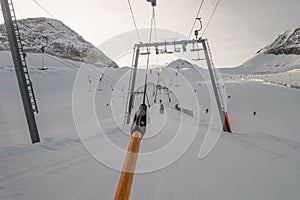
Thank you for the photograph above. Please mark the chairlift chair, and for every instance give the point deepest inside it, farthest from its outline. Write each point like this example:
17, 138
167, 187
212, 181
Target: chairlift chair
184, 47
156, 50
176, 49
162, 51
197, 48
146, 52
197, 59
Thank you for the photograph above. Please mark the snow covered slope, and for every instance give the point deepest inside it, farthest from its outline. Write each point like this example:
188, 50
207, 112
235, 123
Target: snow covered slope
180, 64
187, 69
283, 54
60, 40
260, 160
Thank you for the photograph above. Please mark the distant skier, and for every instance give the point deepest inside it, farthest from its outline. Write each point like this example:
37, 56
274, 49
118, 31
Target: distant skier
206, 111
177, 107
161, 108
254, 113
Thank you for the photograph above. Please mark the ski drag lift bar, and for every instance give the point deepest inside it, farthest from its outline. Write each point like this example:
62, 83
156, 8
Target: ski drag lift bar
140, 120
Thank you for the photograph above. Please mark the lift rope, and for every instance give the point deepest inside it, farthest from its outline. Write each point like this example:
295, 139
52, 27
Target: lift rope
43, 8
107, 81
211, 17
138, 130
134, 21
197, 15
150, 35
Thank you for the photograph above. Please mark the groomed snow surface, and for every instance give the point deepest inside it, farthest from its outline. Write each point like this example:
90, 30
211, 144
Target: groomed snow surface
260, 160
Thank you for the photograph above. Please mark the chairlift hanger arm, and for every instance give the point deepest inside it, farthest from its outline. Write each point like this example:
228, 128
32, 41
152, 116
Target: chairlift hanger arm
200, 28
170, 43
153, 2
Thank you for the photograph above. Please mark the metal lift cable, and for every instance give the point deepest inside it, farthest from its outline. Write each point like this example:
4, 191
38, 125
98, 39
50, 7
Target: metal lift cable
43, 8
155, 37
148, 49
74, 67
197, 15
213, 13
145, 89
150, 35
155, 31
133, 19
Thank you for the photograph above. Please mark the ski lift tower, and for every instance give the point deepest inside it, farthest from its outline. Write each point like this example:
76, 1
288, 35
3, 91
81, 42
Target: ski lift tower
197, 45
19, 59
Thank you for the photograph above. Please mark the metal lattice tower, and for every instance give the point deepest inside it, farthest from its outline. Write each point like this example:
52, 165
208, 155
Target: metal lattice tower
19, 59
196, 44
216, 78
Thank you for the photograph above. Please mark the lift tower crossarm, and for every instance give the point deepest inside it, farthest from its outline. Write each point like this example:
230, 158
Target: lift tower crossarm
169, 43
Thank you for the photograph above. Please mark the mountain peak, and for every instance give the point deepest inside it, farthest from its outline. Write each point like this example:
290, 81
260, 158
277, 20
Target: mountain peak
59, 39
287, 43
180, 64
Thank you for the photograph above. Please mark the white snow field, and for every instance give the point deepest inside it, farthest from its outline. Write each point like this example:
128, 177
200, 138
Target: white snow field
260, 160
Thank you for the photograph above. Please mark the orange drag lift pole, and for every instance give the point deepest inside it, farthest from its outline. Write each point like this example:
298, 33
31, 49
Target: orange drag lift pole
138, 130
126, 177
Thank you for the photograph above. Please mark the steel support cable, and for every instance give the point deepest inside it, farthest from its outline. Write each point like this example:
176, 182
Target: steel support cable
112, 80
211, 17
133, 19
154, 24
155, 38
148, 48
75, 68
198, 12
43, 8
150, 36
137, 131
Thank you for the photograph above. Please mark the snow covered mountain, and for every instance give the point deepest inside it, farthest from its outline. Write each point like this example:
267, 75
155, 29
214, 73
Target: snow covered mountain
59, 39
180, 64
282, 54
287, 43
184, 65
187, 69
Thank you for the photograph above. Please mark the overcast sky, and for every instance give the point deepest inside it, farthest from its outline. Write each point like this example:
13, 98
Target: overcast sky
239, 27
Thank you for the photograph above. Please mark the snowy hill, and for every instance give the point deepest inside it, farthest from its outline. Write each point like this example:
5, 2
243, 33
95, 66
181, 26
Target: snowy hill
260, 160
281, 55
184, 65
180, 64
60, 40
